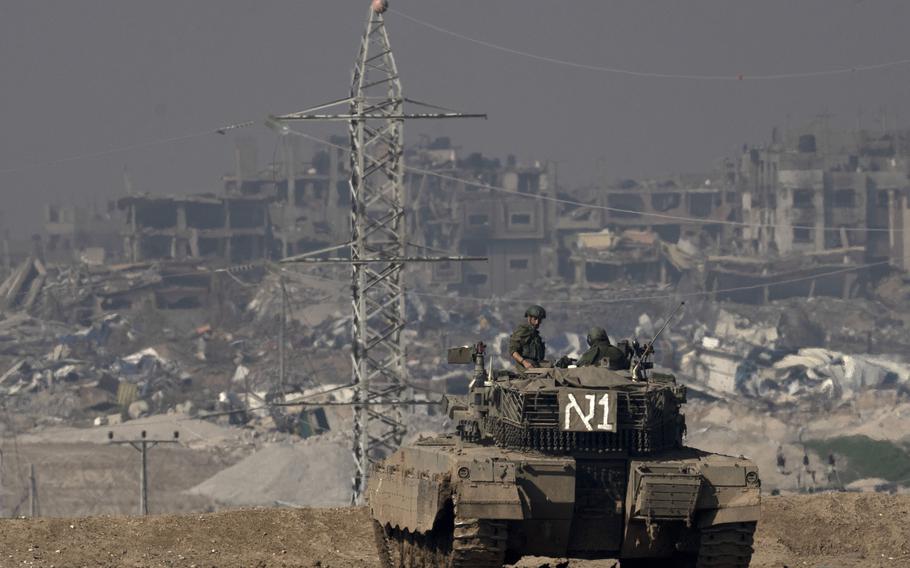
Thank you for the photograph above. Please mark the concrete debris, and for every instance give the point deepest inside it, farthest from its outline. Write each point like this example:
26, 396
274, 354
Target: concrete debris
736, 357
138, 409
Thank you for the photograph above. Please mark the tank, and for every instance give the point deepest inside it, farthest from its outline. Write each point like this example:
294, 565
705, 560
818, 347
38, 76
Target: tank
585, 462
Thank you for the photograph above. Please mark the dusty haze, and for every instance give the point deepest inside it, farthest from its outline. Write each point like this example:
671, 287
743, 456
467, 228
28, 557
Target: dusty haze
85, 77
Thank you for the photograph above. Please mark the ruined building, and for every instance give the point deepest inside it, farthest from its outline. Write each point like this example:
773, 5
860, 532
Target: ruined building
308, 199
807, 204
645, 230
822, 207
78, 233
233, 228
459, 214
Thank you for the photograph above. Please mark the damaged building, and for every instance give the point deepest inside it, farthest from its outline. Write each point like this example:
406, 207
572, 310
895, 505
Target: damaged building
512, 228
811, 211
308, 197
77, 233
781, 212
789, 210
233, 228
644, 231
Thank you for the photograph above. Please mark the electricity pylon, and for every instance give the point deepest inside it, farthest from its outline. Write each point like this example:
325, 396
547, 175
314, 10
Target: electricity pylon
376, 116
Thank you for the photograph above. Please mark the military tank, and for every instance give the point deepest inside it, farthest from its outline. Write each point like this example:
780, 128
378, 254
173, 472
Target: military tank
585, 462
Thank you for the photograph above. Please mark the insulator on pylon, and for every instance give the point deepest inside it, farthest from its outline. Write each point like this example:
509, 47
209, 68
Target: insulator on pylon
380, 6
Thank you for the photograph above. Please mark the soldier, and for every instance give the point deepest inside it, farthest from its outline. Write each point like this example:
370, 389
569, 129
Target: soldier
601, 349
833, 477
781, 461
526, 347
807, 472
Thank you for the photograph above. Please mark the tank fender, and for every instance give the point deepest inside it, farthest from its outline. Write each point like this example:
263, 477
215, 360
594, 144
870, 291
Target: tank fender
486, 489
405, 499
731, 494
745, 514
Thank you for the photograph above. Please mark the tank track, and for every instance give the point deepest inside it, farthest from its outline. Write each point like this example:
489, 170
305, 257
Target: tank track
480, 543
726, 546
473, 543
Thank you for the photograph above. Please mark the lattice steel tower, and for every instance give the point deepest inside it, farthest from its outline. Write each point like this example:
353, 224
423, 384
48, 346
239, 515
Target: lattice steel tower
377, 232
376, 119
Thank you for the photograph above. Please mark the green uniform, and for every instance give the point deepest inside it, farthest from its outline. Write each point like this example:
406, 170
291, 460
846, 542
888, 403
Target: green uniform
601, 350
527, 342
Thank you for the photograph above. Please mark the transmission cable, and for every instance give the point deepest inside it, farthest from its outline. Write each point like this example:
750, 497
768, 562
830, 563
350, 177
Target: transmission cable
118, 150
656, 75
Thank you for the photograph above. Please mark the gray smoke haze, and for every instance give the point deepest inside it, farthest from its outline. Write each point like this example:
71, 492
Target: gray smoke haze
83, 77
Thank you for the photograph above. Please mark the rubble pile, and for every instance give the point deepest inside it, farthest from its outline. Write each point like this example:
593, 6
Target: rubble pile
107, 343
49, 356
785, 357
822, 375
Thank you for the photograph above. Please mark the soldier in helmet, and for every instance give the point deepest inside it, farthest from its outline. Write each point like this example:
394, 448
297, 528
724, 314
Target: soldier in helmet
602, 352
526, 347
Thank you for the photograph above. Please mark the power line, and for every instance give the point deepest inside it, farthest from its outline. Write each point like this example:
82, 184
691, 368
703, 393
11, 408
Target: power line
220, 130
655, 75
632, 298
680, 295
142, 445
583, 205
587, 301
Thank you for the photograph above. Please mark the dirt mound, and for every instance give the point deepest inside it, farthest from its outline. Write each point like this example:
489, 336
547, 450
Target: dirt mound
300, 474
845, 530
834, 529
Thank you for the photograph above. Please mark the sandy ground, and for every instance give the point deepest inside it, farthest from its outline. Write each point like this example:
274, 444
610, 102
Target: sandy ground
830, 530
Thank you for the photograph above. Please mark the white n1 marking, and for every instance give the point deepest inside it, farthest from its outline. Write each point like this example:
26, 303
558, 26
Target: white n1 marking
605, 402
585, 418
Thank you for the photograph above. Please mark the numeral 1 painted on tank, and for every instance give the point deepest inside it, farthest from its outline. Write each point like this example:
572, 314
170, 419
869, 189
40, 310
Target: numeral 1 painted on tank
587, 411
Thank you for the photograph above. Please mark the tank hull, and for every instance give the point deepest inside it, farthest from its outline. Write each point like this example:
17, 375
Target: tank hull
575, 506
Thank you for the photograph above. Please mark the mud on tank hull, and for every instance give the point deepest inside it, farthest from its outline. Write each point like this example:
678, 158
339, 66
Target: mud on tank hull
445, 502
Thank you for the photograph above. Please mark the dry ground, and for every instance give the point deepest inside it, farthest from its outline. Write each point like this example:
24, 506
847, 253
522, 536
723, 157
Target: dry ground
830, 530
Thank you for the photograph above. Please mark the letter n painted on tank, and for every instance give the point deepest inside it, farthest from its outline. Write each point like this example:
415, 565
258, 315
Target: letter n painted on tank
585, 418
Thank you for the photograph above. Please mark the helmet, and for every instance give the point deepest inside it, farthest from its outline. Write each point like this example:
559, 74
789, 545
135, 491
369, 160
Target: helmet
596, 334
535, 312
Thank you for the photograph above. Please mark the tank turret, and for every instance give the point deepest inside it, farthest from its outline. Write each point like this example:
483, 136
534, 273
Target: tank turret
579, 411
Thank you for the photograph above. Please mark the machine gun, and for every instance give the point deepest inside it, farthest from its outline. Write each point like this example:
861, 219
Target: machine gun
641, 355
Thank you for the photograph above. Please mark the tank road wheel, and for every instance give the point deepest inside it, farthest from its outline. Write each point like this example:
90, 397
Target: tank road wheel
726, 546
477, 543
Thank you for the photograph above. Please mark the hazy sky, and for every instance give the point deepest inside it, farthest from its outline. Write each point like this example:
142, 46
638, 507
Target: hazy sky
83, 77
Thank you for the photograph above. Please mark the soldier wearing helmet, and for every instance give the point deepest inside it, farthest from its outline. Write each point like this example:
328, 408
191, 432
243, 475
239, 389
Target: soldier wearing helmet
602, 352
526, 347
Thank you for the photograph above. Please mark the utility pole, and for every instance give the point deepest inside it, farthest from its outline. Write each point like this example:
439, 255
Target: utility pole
282, 336
375, 120
143, 445
32, 492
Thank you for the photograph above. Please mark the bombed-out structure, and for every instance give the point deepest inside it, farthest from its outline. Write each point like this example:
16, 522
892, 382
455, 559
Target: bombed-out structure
308, 197
806, 204
478, 206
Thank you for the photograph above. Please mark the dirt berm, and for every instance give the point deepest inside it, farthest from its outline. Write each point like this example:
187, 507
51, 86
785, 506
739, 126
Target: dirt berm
850, 530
